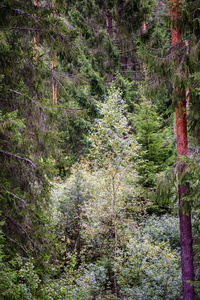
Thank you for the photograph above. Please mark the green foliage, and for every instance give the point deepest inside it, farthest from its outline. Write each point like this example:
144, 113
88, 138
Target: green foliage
18, 277
148, 270
111, 161
75, 192
190, 177
98, 210
29, 281
90, 283
95, 226
105, 184
27, 130
163, 229
85, 283
112, 143
12, 126
156, 142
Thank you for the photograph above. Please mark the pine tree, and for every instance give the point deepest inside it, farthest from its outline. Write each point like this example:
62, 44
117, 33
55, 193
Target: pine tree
182, 149
180, 56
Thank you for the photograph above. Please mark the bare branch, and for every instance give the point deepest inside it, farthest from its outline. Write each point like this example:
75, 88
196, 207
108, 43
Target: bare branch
127, 51
14, 196
20, 226
21, 28
56, 79
19, 157
19, 11
18, 93
15, 242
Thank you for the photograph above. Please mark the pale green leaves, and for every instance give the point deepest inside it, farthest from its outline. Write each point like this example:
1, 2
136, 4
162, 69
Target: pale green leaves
111, 139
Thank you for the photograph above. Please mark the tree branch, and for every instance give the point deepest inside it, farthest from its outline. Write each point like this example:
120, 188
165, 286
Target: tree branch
20, 226
21, 28
19, 11
14, 196
15, 242
19, 157
18, 93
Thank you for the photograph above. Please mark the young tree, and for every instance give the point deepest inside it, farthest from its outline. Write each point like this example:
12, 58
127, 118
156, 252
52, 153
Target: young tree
155, 140
113, 156
105, 190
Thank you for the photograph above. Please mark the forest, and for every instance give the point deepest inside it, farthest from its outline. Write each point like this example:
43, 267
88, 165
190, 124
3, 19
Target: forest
99, 149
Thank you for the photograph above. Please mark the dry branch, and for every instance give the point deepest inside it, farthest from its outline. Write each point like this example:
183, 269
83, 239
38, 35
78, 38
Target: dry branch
15, 242
14, 196
19, 157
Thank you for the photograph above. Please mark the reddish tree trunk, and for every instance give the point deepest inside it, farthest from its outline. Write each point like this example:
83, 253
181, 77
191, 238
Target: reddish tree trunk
54, 87
35, 49
185, 219
182, 149
35, 40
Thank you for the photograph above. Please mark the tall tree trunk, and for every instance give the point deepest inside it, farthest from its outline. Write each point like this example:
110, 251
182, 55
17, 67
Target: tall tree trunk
35, 39
182, 149
109, 24
187, 89
115, 234
110, 32
35, 48
54, 87
144, 28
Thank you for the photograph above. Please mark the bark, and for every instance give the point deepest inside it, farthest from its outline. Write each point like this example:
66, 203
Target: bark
110, 26
35, 39
115, 235
110, 32
187, 90
54, 87
182, 149
35, 46
185, 217
146, 101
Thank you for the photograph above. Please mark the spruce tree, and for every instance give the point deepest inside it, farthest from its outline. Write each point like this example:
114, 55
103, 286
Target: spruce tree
155, 140
175, 65
28, 124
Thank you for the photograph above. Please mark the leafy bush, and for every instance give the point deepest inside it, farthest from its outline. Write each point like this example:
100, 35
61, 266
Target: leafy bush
165, 228
18, 280
148, 270
88, 282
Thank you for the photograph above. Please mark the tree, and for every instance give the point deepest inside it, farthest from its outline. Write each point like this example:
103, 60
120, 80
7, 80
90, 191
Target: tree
182, 149
54, 88
113, 153
155, 140
103, 188
28, 133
